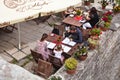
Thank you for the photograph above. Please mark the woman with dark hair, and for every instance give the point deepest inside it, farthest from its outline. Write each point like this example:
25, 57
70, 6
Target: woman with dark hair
41, 47
91, 19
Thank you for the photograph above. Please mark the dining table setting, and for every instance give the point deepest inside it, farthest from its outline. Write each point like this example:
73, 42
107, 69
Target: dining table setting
68, 45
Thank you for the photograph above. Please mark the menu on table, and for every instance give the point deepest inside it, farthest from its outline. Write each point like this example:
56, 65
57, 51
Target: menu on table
66, 48
68, 42
50, 45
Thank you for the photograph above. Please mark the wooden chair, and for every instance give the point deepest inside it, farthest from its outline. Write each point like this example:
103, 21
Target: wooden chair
57, 63
36, 55
9, 29
44, 68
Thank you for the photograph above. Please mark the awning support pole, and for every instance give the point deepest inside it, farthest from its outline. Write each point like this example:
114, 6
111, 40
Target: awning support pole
19, 37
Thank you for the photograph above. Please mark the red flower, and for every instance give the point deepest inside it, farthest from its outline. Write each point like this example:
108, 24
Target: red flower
105, 19
108, 13
78, 18
58, 41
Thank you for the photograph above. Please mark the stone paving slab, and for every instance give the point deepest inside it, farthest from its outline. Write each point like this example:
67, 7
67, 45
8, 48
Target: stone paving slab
26, 50
6, 57
12, 51
19, 55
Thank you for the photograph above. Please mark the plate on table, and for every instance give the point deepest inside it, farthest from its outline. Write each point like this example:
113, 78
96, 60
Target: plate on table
52, 34
71, 15
82, 21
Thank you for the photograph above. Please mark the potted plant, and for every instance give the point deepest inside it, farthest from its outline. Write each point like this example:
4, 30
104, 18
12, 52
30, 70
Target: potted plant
92, 43
107, 17
81, 53
71, 65
104, 4
116, 9
95, 32
56, 77
106, 25
118, 2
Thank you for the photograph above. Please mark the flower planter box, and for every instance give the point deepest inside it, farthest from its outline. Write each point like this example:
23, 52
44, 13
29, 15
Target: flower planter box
92, 47
104, 28
71, 71
82, 57
103, 7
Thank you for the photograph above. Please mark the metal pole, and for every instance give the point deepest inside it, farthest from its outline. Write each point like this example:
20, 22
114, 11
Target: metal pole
19, 37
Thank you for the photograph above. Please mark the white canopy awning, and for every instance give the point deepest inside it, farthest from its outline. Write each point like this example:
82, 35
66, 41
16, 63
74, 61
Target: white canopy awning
14, 11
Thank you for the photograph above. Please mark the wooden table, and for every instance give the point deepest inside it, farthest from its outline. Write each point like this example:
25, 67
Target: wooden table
71, 21
55, 37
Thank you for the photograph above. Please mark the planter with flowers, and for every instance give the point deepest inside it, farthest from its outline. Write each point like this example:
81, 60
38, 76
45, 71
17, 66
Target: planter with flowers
78, 15
71, 65
58, 41
56, 77
93, 42
106, 26
81, 53
116, 9
107, 17
104, 3
95, 32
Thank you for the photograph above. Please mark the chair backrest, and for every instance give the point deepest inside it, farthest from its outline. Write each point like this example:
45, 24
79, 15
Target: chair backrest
36, 55
44, 68
55, 61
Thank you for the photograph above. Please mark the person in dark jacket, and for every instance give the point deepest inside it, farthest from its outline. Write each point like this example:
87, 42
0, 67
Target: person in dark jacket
75, 34
91, 19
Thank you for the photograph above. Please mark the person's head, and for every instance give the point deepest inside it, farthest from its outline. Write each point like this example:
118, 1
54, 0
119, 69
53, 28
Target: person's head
93, 10
44, 36
72, 29
70, 9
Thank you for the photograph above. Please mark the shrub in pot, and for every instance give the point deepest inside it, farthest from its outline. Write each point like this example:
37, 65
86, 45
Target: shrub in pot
71, 65
81, 53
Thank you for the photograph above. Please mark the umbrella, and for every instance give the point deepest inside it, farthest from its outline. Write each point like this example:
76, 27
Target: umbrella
15, 11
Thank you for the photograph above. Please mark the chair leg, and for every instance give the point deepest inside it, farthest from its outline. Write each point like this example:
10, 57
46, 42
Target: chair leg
34, 67
9, 29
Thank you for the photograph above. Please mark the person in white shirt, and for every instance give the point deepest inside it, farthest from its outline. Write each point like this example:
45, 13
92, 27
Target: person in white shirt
58, 52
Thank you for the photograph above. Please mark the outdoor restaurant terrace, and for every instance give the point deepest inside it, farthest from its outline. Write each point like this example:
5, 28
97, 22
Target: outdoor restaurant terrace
18, 60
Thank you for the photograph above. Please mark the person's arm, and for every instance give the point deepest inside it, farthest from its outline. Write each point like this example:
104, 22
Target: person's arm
67, 34
79, 36
45, 47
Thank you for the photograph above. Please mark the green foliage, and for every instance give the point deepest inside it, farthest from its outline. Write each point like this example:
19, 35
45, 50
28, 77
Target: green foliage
95, 31
55, 78
82, 51
104, 3
118, 2
107, 24
93, 41
110, 17
78, 12
116, 8
71, 63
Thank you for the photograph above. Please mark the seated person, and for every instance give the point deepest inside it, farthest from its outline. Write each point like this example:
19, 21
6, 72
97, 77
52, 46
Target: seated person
41, 47
91, 19
58, 52
75, 34
56, 31
69, 11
